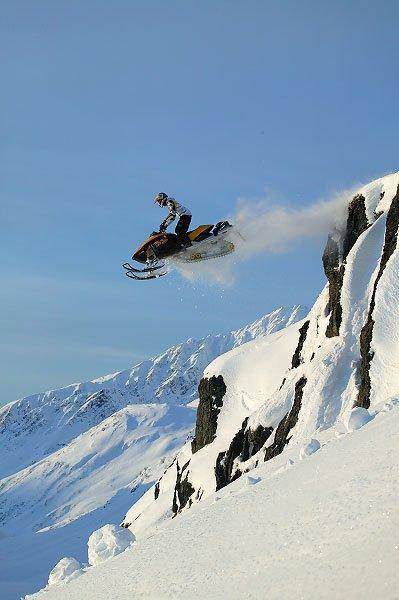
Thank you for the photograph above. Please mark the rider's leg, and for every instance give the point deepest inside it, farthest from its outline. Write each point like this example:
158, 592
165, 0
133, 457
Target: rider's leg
181, 230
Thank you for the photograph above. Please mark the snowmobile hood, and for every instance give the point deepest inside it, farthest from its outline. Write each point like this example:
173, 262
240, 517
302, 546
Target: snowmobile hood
141, 253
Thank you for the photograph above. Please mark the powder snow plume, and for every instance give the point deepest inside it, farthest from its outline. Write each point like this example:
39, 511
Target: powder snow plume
265, 226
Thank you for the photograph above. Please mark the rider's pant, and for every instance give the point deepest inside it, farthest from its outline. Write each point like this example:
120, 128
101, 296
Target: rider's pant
181, 229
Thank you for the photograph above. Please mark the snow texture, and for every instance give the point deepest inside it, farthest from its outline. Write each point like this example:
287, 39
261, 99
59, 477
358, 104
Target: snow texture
108, 541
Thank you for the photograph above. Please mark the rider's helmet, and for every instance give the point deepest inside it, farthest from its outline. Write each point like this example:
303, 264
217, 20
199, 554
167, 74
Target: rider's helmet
161, 198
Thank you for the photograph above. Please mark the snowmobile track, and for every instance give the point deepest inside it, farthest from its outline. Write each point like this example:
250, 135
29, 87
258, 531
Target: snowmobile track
201, 256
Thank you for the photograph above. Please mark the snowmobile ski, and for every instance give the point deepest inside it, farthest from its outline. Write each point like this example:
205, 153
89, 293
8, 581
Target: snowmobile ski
128, 267
145, 276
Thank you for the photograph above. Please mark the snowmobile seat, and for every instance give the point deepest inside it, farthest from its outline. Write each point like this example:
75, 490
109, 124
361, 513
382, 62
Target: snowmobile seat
200, 233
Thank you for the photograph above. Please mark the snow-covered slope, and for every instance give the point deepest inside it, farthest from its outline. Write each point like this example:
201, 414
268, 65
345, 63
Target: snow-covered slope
260, 400
323, 528
78, 457
50, 508
126, 450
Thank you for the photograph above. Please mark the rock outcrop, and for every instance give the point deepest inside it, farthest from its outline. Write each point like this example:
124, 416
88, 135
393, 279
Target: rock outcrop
211, 392
296, 359
355, 225
334, 260
282, 435
334, 271
183, 489
246, 443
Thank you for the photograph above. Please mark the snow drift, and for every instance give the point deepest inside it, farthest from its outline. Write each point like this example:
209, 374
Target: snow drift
65, 570
107, 542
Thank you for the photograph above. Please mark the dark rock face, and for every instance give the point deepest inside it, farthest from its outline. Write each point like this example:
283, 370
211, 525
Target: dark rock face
287, 423
183, 489
99, 406
335, 274
333, 262
246, 443
14, 415
331, 257
366, 335
211, 393
296, 359
356, 223
156, 490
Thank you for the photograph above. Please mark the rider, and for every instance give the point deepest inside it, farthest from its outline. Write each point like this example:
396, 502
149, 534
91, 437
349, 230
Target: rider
175, 209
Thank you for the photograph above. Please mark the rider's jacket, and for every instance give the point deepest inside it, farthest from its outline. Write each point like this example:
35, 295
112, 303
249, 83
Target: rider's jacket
175, 208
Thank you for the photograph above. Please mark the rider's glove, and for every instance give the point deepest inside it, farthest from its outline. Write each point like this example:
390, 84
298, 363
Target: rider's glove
162, 229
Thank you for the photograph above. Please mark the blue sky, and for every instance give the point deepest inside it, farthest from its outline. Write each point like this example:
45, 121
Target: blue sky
105, 103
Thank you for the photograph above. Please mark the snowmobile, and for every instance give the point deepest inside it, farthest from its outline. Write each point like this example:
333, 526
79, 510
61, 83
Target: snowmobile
207, 241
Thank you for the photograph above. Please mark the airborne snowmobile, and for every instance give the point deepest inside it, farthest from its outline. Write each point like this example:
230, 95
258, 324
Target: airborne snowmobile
207, 241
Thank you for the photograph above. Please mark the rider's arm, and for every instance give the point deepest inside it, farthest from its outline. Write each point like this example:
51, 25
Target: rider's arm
171, 216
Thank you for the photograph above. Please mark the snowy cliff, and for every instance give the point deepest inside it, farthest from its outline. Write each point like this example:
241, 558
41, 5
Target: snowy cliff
275, 394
